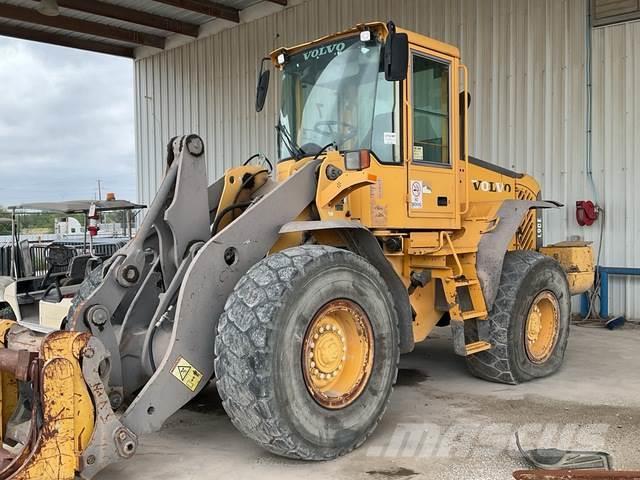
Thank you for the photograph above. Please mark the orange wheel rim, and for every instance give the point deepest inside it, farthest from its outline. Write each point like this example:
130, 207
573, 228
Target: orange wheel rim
337, 355
542, 327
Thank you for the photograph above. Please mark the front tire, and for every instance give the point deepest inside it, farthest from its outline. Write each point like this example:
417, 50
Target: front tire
528, 324
296, 304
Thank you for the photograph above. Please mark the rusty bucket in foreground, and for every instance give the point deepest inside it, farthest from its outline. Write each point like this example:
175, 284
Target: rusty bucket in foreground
46, 411
575, 475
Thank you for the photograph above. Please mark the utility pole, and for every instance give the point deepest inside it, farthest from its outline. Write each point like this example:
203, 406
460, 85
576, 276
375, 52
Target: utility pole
99, 190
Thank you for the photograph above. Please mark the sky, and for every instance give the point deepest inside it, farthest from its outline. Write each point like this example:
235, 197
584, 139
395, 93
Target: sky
66, 120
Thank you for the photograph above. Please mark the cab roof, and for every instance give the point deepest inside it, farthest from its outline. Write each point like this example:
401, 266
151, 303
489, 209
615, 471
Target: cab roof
414, 38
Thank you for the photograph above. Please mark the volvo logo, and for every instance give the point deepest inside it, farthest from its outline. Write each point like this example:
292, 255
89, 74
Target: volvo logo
487, 186
324, 50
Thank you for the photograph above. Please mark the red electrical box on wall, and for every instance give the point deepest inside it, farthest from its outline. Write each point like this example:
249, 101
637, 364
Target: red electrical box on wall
586, 213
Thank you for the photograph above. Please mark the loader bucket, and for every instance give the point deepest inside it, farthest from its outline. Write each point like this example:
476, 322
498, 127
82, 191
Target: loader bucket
46, 411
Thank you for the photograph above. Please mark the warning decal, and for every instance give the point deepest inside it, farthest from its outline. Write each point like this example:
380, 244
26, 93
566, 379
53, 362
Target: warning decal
416, 193
187, 374
389, 138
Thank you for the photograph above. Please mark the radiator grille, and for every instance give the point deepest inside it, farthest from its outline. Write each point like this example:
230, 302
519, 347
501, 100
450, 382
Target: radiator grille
526, 234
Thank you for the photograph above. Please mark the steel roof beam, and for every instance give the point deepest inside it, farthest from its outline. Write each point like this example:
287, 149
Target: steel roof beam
130, 15
63, 22
25, 33
206, 7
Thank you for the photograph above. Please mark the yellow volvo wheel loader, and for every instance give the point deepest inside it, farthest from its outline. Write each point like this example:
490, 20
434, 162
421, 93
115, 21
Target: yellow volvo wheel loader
298, 289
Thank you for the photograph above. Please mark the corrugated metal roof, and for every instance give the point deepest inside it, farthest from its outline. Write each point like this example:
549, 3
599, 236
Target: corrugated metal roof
178, 13
73, 35
158, 8
151, 7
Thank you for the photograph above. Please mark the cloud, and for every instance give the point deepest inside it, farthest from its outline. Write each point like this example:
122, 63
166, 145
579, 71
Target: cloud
66, 120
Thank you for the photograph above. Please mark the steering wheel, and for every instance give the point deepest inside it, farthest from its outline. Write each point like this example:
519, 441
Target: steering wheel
55, 285
335, 129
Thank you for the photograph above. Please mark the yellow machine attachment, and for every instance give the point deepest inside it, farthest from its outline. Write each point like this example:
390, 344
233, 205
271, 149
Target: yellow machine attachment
576, 259
47, 412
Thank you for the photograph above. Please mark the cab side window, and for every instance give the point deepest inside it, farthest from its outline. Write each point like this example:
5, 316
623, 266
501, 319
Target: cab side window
430, 110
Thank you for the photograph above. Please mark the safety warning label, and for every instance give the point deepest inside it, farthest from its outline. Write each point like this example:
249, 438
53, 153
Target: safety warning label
416, 193
187, 374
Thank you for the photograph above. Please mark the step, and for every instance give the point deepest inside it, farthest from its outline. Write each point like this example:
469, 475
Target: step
476, 347
459, 346
473, 314
466, 283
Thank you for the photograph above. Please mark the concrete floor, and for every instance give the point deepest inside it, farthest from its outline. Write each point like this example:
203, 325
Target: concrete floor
441, 424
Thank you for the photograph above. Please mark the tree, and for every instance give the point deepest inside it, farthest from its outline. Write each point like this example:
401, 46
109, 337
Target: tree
5, 228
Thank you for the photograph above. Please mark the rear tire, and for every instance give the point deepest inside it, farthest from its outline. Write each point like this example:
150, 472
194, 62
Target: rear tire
263, 333
527, 277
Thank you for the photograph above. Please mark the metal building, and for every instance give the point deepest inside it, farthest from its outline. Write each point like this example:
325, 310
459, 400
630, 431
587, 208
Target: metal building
529, 76
553, 85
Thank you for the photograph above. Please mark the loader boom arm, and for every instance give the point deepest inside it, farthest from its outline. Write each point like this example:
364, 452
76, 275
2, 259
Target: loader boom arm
202, 274
154, 307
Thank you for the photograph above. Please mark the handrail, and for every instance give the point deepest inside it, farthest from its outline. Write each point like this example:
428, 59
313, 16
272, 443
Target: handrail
455, 255
466, 139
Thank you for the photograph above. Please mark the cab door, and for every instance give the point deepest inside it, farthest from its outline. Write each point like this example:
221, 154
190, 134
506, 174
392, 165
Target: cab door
432, 176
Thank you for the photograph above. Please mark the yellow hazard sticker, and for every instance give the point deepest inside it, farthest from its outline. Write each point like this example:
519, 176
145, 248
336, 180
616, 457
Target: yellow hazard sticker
187, 374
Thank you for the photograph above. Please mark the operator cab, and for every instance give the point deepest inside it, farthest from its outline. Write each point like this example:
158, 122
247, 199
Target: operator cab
327, 93
383, 99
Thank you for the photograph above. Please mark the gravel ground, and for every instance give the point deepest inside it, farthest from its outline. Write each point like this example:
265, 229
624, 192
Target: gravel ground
442, 424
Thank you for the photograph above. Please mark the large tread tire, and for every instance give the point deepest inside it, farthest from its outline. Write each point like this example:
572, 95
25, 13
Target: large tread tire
525, 274
258, 349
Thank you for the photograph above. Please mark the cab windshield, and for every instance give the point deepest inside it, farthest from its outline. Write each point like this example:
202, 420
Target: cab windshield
336, 93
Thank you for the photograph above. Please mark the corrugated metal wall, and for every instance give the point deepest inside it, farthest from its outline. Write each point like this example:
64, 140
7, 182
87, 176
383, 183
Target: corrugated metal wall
527, 75
616, 147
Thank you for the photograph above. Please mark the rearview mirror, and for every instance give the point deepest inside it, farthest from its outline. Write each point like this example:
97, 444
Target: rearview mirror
263, 85
461, 98
263, 88
396, 55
